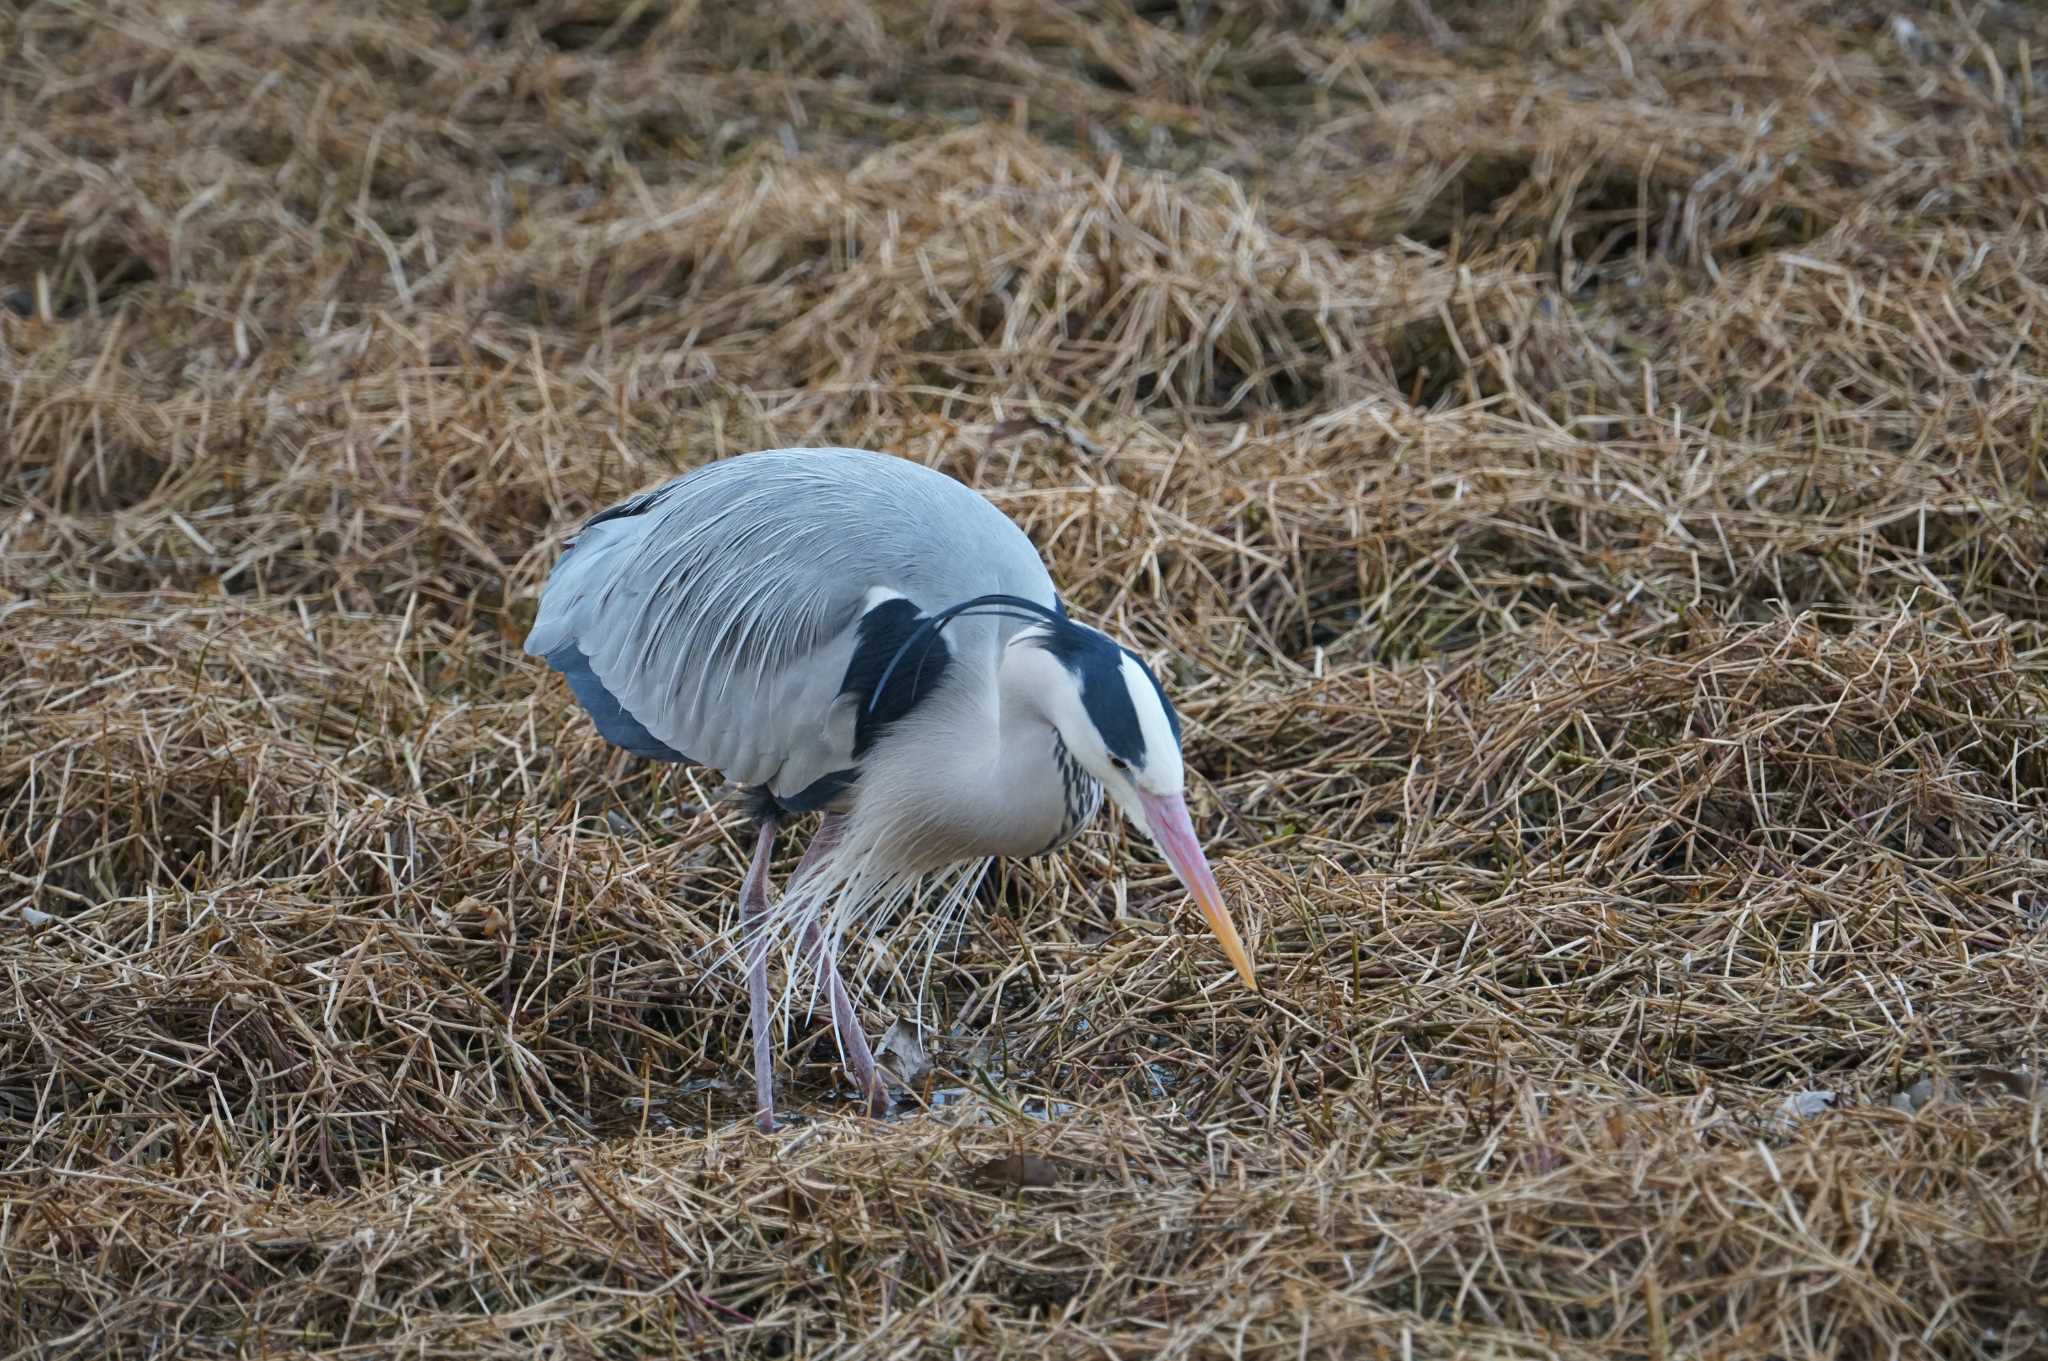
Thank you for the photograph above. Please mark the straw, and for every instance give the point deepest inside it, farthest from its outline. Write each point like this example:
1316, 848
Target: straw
1578, 468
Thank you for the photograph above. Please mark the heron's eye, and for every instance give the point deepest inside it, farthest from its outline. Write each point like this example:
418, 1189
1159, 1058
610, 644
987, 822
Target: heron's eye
1120, 763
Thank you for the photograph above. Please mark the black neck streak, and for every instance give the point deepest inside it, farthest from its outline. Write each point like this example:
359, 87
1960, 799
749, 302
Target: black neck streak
1081, 795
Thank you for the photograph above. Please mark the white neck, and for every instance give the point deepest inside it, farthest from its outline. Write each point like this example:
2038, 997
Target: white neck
975, 778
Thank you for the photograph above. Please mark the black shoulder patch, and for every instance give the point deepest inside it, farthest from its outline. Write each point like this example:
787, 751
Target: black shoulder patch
883, 632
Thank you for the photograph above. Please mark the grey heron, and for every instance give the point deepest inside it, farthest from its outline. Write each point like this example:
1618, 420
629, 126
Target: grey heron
860, 636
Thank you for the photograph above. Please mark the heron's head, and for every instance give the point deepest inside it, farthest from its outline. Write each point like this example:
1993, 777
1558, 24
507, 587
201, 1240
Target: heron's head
1117, 722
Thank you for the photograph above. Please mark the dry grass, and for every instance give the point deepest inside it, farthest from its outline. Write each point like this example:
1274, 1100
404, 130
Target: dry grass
1583, 461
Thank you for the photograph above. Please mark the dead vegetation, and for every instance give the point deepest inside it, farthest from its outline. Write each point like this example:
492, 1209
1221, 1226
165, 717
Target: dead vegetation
1582, 464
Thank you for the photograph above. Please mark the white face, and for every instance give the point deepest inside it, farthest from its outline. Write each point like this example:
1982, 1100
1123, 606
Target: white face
1139, 753
1158, 770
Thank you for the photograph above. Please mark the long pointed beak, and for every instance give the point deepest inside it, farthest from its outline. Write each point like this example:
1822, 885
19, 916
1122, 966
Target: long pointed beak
1166, 818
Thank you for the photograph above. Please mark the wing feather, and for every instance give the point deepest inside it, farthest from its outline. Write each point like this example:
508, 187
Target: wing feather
721, 610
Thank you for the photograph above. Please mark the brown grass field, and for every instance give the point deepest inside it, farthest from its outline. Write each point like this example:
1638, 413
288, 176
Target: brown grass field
1580, 466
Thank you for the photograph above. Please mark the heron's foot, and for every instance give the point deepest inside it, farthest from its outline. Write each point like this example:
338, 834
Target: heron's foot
766, 1122
852, 1040
878, 1103
867, 1076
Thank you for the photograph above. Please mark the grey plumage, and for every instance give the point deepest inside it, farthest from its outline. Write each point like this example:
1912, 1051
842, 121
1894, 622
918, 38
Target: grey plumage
720, 610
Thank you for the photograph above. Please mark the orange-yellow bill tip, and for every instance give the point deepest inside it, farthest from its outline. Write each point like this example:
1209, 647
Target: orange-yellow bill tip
1174, 833
1226, 934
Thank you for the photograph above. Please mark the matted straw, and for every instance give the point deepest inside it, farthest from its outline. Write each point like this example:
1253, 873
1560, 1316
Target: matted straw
1579, 470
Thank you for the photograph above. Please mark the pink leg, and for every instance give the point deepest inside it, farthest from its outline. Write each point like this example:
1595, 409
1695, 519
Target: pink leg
754, 932
853, 1042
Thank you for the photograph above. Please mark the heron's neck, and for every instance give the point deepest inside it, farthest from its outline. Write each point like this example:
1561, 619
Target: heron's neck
979, 771
991, 774
1045, 795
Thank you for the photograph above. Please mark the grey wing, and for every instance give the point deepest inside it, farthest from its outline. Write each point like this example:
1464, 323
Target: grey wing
715, 618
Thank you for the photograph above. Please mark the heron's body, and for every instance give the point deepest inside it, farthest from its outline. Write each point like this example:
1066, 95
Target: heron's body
861, 636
